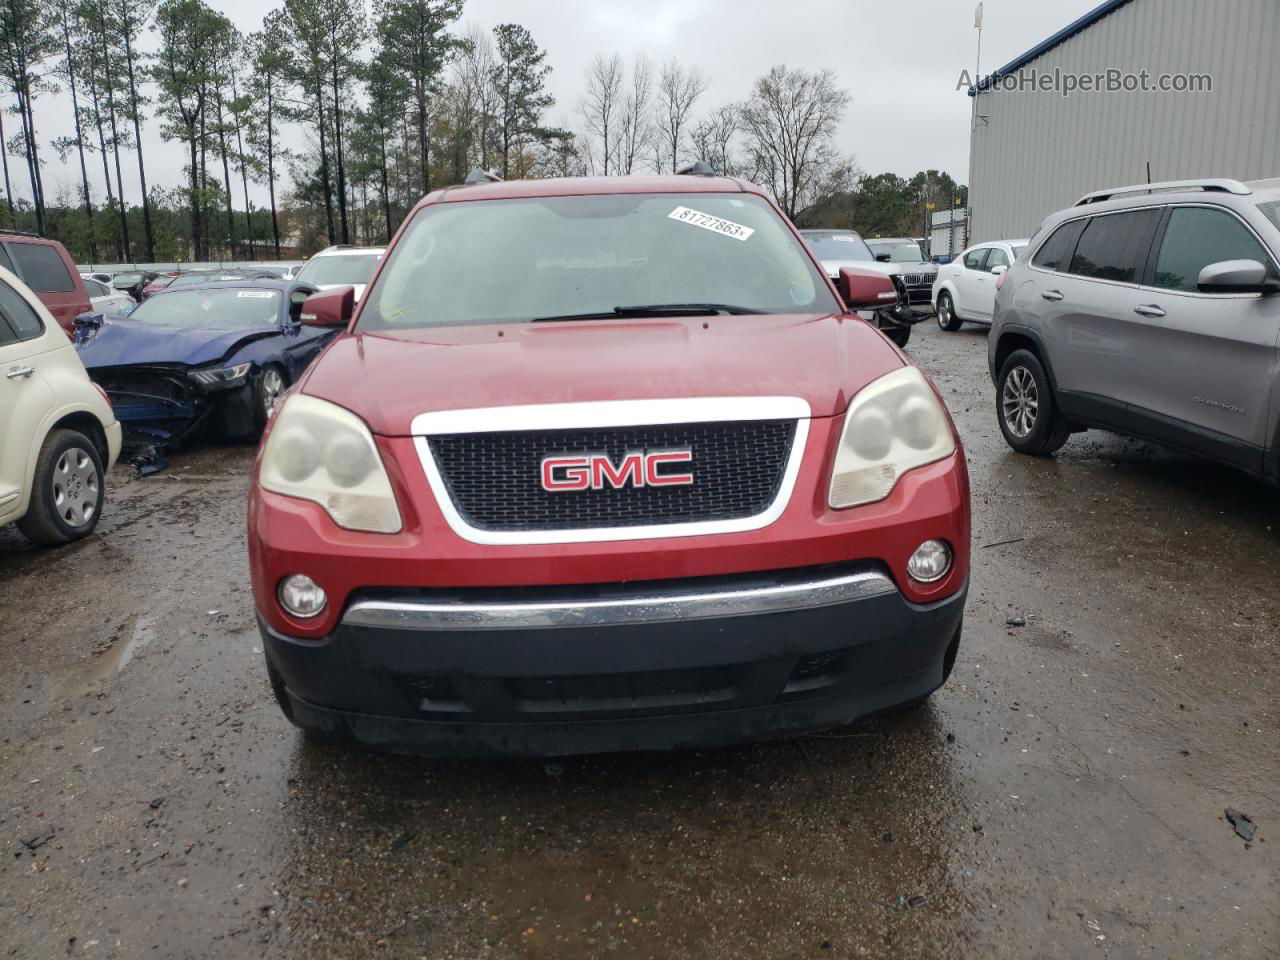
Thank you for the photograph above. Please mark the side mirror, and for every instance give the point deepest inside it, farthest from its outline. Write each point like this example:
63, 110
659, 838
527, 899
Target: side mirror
866, 289
999, 269
883, 257
1236, 276
330, 308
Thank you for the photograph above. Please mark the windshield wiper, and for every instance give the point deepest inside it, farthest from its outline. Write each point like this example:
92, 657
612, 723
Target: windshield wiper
656, 310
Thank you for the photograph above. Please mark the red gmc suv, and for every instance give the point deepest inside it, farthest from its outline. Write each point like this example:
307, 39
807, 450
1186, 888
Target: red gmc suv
604, 464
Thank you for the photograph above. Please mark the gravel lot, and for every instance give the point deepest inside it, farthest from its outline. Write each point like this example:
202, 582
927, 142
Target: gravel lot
1062, 796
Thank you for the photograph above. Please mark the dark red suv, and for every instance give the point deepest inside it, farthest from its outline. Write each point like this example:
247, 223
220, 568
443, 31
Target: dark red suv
47, 268
605, 464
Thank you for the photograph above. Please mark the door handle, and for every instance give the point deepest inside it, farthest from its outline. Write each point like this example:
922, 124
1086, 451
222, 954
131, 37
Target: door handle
1052, 294
1148, 310
19, 373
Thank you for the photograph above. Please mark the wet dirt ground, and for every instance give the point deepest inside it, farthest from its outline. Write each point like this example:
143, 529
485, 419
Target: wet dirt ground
1062, 796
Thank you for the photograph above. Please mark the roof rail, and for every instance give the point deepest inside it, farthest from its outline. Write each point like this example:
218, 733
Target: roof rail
21, 233
699, 168
1208, 186
478, 175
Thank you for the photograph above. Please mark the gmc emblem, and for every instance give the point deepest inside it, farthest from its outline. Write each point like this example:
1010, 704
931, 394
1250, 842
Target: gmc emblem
595, 471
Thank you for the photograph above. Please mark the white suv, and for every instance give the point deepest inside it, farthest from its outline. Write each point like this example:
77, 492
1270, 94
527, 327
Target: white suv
58, 435
341, 266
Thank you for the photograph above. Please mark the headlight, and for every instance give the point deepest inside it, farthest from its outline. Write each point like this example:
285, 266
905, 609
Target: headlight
223, 377
321, 452
893, 425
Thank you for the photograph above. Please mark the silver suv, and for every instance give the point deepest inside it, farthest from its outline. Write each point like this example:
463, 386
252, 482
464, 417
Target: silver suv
1153, 311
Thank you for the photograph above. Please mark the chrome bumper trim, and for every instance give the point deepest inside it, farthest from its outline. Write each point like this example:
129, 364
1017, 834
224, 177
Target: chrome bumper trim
650, 607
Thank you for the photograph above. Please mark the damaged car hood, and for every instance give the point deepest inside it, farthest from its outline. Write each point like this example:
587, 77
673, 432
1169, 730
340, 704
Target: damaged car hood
122, 342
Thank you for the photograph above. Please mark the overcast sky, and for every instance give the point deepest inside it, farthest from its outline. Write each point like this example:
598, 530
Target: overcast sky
900, 62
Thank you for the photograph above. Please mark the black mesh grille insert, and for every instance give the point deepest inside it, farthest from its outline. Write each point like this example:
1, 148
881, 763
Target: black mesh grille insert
495, 482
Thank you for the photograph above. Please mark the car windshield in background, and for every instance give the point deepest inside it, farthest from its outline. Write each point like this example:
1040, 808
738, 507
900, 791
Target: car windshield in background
1018, 249
191, 279
123, 281
224, 307
498, 261
340, 268
838, 246
898, 252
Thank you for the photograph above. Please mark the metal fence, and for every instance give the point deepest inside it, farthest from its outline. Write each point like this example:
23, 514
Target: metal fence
169, 266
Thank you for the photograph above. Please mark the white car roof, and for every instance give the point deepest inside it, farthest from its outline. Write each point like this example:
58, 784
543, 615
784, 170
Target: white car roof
347, 251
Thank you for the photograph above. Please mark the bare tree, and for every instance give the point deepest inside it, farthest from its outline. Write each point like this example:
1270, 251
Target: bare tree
600, 106
635, 125
712, 139
477, 99
790, 122
679, 88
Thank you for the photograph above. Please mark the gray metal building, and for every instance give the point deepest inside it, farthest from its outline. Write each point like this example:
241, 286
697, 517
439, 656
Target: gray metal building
1034, 151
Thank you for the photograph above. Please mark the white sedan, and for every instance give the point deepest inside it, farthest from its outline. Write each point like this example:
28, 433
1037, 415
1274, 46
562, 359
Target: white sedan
965, 289
105, 299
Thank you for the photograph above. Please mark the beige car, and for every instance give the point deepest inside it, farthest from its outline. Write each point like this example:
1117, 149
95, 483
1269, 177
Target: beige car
58, 435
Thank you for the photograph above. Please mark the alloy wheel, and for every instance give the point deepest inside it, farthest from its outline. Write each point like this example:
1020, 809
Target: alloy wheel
272, 388
944, 311
1020, 402
75, 487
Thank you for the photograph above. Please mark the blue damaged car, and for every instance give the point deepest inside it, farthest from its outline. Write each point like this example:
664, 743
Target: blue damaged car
213, 359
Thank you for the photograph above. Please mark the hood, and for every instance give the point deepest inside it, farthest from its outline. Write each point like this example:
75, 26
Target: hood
390, 378
359, 288
121, 342
888, 269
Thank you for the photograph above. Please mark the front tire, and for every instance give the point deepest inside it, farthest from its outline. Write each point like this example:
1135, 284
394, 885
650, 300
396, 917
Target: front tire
946, 314
68, 491
268, 390
899, 335
1026, 408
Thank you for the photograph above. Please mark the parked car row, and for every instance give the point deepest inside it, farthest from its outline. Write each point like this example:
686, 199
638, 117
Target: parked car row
208, 351
836, 249
678, 432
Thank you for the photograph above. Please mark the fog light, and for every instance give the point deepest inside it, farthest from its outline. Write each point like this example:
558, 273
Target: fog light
301, 596
930, 562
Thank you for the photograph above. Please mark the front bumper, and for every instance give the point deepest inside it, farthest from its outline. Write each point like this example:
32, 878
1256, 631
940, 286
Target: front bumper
668, 664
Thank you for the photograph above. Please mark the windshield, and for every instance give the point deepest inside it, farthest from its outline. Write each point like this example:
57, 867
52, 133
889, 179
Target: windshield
908, 252
339, 269
1017, 249
838, 246
125, 280
191, 279
224, 307
497, 261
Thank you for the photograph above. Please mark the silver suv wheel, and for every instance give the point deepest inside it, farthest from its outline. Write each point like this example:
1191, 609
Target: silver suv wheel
1020, 402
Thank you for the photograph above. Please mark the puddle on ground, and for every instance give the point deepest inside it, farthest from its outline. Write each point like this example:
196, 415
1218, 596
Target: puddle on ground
105, 665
